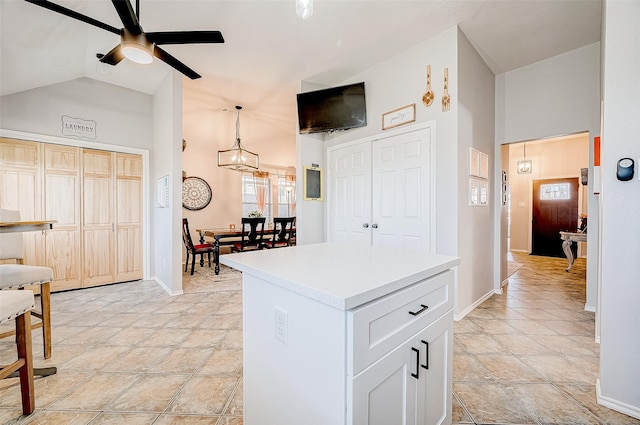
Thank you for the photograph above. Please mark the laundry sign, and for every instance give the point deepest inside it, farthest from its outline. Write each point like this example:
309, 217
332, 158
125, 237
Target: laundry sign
78, 127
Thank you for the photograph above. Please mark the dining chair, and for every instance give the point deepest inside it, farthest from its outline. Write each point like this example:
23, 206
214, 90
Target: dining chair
252, 235
193, 250
282, 232
19, 275
17, 305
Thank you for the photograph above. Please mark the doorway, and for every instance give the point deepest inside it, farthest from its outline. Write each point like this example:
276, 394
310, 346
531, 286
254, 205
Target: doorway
554, 208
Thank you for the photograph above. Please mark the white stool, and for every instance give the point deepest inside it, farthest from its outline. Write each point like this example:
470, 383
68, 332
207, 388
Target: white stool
16, 305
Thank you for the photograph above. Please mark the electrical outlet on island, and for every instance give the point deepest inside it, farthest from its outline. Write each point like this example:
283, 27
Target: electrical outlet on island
282, 330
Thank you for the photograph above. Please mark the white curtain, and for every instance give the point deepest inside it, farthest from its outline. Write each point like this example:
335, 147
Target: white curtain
261, 185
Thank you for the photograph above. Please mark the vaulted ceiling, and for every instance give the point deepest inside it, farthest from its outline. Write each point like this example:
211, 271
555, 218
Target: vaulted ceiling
268, 50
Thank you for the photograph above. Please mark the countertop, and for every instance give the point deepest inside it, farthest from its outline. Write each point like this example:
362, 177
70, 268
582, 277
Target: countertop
340, 275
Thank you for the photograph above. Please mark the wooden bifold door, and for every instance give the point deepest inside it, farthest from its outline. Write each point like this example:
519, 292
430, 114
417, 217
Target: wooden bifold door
96, 198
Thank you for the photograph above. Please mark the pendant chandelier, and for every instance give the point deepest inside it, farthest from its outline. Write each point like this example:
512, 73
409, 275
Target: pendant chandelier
524, 166
238, 158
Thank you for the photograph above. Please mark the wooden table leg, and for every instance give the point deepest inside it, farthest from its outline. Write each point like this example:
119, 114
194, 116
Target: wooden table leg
216, 254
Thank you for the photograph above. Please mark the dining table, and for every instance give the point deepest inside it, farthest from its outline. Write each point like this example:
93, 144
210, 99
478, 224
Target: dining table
224, 236
30, 226
217, 234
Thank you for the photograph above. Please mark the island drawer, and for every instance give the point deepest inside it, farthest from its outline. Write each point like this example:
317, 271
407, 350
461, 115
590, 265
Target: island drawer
378, 327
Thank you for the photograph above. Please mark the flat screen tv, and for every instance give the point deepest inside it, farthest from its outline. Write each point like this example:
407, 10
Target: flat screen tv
336, 108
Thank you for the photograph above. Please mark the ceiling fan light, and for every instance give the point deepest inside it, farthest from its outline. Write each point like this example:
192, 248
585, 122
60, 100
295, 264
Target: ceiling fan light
136, 48
304, 8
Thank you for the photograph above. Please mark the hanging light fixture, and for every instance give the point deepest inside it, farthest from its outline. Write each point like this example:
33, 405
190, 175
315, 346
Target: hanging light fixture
304, 8
237, 158
524, 166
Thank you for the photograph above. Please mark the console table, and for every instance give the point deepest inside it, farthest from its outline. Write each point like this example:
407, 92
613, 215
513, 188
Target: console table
569, 238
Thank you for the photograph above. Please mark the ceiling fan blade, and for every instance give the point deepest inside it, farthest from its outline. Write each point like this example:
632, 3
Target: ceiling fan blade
114, 56
175, 63
127, 16
75, 15
185, 37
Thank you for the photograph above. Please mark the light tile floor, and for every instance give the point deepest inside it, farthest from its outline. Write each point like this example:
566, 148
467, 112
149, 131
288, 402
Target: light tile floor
131, 354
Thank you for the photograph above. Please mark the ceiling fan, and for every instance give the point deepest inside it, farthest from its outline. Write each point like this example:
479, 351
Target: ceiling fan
135, 44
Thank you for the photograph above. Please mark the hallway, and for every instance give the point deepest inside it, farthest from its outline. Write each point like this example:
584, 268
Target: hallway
528, 356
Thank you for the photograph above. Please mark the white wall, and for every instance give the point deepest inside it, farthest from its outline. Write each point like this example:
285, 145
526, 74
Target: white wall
166, 160
555, 97
310, 222
476, 130
401, 81
619, 386
123, 117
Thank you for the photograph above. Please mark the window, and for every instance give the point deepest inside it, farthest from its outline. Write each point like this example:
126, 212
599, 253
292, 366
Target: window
286, 196
554, 191
277, 202
250, 188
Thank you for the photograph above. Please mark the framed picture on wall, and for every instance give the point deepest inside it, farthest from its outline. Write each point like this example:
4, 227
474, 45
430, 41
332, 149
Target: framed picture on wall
484, 165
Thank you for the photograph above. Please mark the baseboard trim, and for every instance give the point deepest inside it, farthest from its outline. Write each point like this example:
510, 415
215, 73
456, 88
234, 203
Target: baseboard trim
166, 287
618, 406
504, 282
520, 250
589, 308
458, 317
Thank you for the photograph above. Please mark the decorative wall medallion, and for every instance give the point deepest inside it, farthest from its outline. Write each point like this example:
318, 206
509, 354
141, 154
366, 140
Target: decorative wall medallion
196, 193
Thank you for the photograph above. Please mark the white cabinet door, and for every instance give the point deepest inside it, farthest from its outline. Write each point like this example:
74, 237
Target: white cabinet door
350, 194
402, 191
381, 192
385, 393
434, 388
412, 384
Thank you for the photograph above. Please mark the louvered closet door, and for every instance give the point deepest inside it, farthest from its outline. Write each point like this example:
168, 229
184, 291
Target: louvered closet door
21, 189
128, 228
62, 203
98, 217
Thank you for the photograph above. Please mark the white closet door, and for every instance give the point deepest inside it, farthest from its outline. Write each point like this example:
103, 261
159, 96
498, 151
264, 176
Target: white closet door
350, 194
402, 191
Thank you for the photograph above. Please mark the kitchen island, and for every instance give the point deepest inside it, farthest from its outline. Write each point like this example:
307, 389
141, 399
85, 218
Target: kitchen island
345, 334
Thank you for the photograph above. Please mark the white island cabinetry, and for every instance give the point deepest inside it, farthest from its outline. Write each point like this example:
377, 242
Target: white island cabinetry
338, 334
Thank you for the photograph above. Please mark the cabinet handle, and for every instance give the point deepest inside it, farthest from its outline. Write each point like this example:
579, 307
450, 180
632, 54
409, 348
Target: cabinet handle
426, 363
417, 374
374, 225
415, 313
365, 225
